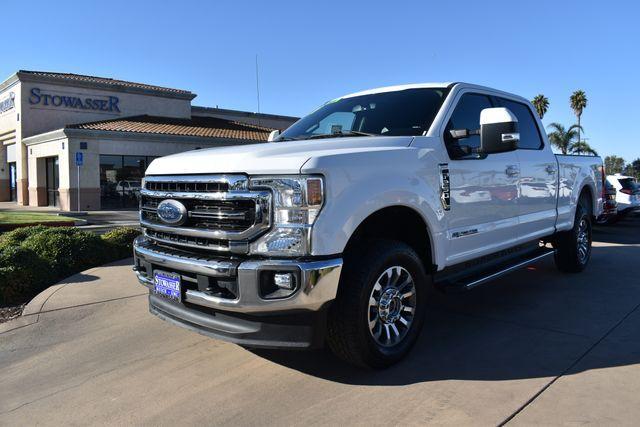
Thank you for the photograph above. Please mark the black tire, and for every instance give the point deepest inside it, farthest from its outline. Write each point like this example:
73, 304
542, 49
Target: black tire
348, 331
573, 247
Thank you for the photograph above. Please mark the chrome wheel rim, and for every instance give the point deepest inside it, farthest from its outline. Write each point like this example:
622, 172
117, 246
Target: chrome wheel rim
583, 241
392, 306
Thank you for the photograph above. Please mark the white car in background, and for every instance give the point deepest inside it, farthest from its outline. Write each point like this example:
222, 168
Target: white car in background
129, 187
627, 192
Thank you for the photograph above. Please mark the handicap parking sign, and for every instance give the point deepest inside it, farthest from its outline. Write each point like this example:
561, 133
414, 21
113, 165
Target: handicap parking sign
79, 159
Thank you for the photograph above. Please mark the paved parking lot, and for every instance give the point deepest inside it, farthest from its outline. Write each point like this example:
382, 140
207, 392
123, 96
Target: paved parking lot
536, 347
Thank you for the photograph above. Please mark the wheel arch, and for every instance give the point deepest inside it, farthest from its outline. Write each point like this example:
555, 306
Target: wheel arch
401, 223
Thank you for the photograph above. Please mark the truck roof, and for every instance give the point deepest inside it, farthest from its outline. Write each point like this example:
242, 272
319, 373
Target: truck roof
435, 85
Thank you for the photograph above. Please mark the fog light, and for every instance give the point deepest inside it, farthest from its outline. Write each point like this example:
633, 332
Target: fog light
284, 281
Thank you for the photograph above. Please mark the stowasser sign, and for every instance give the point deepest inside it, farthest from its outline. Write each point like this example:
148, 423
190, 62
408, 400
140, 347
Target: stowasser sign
97, 103
8, 103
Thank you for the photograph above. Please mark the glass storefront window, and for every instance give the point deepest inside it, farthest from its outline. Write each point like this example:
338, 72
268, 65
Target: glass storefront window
120, 180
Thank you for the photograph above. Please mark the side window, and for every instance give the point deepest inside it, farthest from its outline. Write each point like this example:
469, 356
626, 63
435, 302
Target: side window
529, 134
466, 116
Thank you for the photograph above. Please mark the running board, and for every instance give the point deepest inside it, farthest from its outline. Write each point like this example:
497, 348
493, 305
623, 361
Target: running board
464, 284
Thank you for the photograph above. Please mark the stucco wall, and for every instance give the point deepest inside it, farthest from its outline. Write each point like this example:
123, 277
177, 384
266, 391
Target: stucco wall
38, 118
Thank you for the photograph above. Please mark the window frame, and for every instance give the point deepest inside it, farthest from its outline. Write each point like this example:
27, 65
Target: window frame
449, 114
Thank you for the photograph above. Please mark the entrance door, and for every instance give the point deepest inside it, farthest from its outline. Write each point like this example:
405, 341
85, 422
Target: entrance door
53, 181
12, 182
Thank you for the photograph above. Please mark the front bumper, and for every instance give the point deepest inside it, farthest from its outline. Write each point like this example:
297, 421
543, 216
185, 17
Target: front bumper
246, 318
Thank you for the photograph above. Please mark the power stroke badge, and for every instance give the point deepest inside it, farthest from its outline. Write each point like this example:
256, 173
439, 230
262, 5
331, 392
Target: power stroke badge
445, 186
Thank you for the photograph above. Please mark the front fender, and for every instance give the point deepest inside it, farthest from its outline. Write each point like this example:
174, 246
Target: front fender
360, 184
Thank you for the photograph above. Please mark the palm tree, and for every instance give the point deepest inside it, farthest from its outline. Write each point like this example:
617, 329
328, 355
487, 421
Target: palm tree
582, 147
563, 138
541, 103
578, 102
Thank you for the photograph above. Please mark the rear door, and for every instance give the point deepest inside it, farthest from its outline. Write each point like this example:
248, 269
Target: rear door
483, 213
537, 184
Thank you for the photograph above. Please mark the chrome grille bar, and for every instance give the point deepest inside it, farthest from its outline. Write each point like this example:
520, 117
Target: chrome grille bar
217, 220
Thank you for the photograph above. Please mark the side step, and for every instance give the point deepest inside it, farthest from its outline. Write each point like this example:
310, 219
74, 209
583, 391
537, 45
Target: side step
479, 278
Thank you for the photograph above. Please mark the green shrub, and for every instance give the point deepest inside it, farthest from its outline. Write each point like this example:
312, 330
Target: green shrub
33, 258
121, 241
67, 250
22, 274
17, 236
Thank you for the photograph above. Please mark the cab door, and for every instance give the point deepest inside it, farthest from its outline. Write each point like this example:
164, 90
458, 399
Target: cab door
483, 212
538, 180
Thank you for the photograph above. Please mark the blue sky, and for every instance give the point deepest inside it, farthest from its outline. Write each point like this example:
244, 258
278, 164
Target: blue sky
312, 52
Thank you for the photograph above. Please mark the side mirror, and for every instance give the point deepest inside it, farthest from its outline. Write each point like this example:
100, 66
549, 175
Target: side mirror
498, 130
273, 135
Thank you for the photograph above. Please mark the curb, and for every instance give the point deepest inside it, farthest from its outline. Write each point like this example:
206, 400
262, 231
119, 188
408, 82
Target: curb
33, 309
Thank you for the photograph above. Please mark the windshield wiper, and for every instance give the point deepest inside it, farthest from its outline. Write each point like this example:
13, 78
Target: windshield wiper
340, 134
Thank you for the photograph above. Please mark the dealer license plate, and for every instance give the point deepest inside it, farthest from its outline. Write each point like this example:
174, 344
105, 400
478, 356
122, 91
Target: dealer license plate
167, 284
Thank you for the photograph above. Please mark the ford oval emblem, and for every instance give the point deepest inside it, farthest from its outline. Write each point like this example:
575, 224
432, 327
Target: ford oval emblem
172, 212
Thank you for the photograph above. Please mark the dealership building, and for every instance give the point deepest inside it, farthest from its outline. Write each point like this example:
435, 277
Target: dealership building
51, 122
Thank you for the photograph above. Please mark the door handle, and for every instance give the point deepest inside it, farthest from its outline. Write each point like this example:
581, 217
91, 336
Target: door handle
550, 170
512, 170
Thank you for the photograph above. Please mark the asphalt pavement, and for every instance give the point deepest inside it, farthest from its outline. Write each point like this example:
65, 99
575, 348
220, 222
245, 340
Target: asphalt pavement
535, 347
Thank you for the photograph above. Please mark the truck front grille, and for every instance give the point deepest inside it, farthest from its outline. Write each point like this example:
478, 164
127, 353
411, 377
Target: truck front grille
222, 214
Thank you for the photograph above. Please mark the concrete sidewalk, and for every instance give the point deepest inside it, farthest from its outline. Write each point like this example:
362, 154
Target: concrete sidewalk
536, 347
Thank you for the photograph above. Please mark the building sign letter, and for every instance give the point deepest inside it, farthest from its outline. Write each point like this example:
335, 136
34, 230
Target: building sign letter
8, 103
100, 103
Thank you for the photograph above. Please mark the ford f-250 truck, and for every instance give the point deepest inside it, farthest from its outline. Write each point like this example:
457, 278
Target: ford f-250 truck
336, 230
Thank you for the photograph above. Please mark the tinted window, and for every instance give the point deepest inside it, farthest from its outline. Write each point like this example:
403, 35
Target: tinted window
402, 112
466, 116
627, 184
529, 135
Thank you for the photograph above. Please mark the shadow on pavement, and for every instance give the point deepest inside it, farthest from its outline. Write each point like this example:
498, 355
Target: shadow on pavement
533, 323
625, 231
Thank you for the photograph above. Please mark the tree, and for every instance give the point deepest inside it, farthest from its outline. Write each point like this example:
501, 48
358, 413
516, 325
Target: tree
636, 168
578, 102
582, 147
541, 103
562, 138
613, 164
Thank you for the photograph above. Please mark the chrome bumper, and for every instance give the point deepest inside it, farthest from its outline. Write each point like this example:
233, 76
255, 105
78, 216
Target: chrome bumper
318, 279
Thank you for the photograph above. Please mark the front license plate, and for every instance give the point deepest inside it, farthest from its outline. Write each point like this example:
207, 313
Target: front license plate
167, 284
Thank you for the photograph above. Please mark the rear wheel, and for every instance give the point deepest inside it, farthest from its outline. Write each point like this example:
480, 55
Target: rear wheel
573, 248
379, 311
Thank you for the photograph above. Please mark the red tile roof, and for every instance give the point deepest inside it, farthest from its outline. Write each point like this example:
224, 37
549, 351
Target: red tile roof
102, 80
204, 127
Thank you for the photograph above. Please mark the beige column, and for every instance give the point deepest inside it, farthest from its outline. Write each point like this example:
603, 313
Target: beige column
22, 172
5, 194
37, 182
89, 178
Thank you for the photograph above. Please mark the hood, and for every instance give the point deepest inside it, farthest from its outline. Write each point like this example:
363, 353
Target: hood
267, 158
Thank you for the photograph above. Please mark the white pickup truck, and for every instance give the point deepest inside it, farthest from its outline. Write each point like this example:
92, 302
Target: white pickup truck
335, 231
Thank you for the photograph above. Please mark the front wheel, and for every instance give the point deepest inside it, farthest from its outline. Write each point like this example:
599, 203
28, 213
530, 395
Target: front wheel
573, 248
379, 310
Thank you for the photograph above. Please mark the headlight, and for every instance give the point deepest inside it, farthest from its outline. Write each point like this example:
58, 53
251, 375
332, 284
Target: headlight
297, 200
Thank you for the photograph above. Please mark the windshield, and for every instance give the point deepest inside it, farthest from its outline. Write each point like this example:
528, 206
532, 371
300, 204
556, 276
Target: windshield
405, 112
